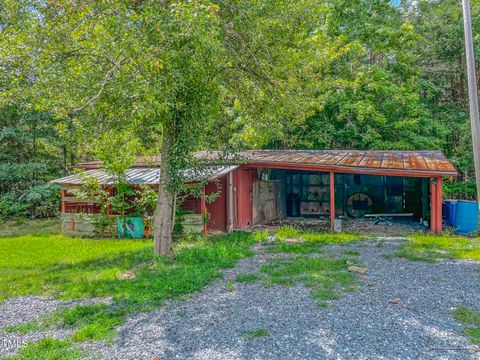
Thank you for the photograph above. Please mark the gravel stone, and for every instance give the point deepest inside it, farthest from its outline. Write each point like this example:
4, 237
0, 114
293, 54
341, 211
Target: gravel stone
25, 309
402, 310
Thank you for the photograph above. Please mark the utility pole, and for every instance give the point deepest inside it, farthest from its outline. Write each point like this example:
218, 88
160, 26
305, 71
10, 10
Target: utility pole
472, 92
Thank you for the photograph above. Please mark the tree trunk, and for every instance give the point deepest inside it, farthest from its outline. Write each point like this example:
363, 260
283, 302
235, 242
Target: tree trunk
162, 219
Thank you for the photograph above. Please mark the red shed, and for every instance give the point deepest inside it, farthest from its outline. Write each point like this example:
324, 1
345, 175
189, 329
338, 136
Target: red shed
344, 183
257, 187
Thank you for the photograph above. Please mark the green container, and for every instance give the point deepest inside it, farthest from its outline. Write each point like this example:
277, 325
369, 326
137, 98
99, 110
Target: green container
133, 229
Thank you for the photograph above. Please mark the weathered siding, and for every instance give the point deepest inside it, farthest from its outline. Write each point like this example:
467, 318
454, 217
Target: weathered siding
217, 209
83, 225
192, 223
268, 201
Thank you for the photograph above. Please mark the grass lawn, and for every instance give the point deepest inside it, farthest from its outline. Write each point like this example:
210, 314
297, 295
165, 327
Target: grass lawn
50, 264
37, 260
432, 247
326, 276
471, 319
55, 265
297, 241
312, 237
19, 227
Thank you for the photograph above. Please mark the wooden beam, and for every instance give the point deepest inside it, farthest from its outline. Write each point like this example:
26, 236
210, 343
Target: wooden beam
433, 205
332, 200
64, 206
203, 210
425, 202
230, 223
108, 209
439, 205
351, 170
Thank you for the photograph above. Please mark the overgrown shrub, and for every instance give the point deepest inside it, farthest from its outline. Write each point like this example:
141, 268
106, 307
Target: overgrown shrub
460, 190
38, 201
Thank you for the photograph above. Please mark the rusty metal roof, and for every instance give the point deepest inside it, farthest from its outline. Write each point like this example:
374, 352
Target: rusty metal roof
388, 162
408, 163
141, 162
148, 176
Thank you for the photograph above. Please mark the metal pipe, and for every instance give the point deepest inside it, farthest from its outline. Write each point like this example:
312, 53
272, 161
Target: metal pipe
472, 92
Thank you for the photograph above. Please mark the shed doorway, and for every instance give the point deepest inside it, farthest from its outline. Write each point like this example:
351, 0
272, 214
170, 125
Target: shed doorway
281, 194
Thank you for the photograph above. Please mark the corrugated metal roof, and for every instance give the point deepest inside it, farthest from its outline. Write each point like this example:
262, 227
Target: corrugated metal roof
148, 176
413, 162
142, 162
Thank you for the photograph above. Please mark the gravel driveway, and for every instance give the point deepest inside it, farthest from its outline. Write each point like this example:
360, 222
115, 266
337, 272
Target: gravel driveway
401, 311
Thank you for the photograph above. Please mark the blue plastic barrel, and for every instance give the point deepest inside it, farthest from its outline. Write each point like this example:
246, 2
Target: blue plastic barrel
449, 208
452, 211
466, 216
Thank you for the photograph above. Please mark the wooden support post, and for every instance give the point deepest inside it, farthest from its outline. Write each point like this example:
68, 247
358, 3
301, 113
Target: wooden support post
108, 208
230, 223
332, 200
425, 203
203, 210
433, 205
63, 204
439, 205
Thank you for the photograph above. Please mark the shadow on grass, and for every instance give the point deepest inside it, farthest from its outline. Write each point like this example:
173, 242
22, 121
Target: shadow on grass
149, 283
22, 227
430, 248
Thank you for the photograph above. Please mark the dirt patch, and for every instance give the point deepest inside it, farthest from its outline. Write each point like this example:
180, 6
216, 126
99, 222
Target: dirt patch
363, 226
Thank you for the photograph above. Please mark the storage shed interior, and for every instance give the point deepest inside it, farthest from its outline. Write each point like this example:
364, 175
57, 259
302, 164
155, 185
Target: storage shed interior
307, 194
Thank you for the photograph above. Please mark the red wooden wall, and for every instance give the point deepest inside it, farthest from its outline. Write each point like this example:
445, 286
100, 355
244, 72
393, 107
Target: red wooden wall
218, 208
243, 181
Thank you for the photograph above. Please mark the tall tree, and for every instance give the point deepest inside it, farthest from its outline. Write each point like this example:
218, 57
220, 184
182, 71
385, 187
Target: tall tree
148, 68
441, 53
345, 76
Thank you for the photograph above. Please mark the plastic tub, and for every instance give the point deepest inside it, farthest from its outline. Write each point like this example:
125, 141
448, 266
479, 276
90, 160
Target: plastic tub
466, 216
450, 208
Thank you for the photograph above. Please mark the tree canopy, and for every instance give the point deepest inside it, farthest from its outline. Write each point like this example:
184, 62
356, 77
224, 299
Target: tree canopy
89, 79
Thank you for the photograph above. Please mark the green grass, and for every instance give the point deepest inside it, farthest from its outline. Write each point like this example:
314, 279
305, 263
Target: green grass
313, 237
50, 264
352, 253
247, 278
48, 348
288, 232
330, 238
431, 247
255, 333
66, 267
230, 285
471, 319
70, 268
293, 249
326, 277
23, 328
92, 322
21, 227
297, 241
